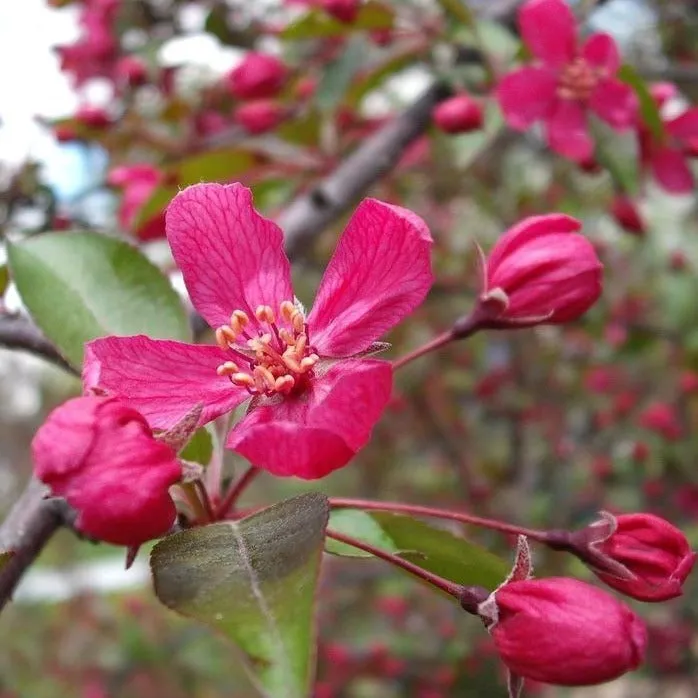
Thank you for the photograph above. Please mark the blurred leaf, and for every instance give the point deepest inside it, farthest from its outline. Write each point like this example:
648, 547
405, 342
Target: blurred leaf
358, 524
253, 580
442, 552
373, 78
200, 448
317, 24
4, 559
338, 75
213, 166
217, 24
155, 204
617, 152
78, 286
648, 107
458, 10
4, 279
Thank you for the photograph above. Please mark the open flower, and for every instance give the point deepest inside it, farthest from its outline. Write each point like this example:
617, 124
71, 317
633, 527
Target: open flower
567, 81
315, 399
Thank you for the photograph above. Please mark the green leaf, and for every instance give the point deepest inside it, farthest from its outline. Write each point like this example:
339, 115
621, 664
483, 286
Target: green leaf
218, 25
648, 107
375, 77
155, 204
213, 166
617, 152
358, 524
79, 286
338, 75
459, 11
254, 581
4, 559
443, 553
200, 447
317, 24
4, 279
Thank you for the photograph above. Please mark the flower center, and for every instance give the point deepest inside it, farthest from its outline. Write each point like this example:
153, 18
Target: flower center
279, 360
577, 80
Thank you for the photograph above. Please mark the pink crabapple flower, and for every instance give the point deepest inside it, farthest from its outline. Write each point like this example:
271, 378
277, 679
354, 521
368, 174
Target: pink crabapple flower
565, 632
566, 81
101, 457
258, 76
315, 398
541, 271
138, 183
458, 114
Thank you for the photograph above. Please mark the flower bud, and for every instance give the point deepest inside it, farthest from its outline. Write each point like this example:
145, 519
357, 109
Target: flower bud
260, 116
258, 76
563, 631
102, 458
661, 418
541, 271
459, 114
92, 117
343, 10
626, 214
132, 71
656, 555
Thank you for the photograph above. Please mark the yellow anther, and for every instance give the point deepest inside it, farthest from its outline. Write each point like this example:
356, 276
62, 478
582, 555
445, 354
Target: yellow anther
286, 310
287, 337
265, 376
301, 341
227, 369
244, 380
292, 364
221, 339
284, 383
298, 321
241, 317
308, 362
264, 313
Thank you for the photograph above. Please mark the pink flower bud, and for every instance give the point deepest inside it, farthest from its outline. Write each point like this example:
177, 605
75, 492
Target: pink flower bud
258, 76
564, 632
459, 114
260, 116
688, 382
541, 271
102, 458
656, 553
343, 10
662, 419
131, 71
627, 215
92, 117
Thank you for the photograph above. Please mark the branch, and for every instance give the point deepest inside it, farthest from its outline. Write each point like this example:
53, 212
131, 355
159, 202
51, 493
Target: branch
311, 213
19, 332
25, 532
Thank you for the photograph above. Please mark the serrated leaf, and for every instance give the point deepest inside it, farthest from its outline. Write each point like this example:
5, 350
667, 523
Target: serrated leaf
317, 24
338, 75
79, 286
648, 107
200, 448
458, 10
358, 524
254, 581
442, 552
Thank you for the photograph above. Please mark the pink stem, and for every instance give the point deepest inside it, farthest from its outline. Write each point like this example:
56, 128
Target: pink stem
235, 491
434, 344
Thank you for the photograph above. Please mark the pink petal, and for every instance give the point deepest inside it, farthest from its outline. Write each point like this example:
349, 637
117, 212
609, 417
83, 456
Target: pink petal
616, 103
379, 273
161, 379
568, 133
319, 431
231, 257
685, 125
526, 230
526, 95
601, 51
549, 29
671, 171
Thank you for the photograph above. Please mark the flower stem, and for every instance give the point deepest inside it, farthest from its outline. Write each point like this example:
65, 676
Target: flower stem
430, 346
198, 508
236, 489
417, 510
205, 500
439, 582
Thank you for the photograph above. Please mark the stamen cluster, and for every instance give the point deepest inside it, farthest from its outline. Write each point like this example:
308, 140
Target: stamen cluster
578, 80
277, 361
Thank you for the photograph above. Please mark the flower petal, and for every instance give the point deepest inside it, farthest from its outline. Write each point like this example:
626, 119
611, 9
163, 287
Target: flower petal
671, 170
616, 103
231, 257
685, 125
311, 435
549, 29
526, 95
161, 379
602, 52
568, 133
379, 273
